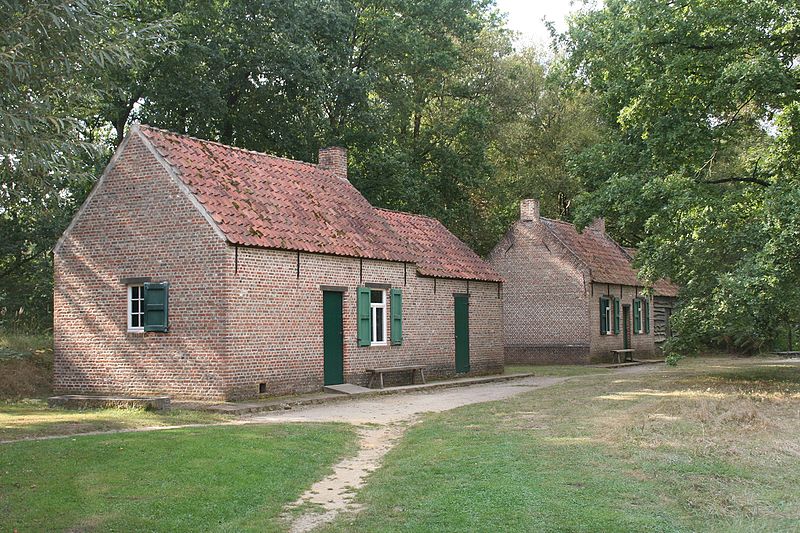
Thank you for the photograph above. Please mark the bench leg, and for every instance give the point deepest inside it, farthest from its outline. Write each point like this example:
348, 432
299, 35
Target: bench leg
422, 375
371, 379
381, 375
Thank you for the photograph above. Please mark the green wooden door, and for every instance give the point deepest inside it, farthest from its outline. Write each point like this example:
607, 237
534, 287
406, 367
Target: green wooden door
462, 333
626, 339
333, 337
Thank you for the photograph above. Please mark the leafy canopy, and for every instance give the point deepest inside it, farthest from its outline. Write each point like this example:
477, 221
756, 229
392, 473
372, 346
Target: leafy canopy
701, 171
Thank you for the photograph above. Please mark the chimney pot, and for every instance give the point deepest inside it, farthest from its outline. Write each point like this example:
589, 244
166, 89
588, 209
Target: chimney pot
334, 159
529, 210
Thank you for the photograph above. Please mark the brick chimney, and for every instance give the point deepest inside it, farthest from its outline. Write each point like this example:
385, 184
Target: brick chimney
529, 210
334, 159
598, 224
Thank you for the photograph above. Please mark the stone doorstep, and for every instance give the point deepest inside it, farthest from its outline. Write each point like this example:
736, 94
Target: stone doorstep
290, 402
80, 401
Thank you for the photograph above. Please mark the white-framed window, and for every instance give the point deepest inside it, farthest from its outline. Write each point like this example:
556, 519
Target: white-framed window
136, 308
377, 308
606, 316
641, 315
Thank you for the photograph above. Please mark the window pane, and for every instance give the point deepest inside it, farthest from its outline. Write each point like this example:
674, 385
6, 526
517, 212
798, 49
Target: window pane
378, 324
136, 306
376, 297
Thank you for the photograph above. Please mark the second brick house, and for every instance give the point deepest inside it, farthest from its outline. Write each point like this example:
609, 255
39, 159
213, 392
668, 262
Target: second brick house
569, 296
199, 270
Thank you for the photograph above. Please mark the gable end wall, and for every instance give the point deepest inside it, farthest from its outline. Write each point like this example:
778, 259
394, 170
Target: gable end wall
545, 313
139, 223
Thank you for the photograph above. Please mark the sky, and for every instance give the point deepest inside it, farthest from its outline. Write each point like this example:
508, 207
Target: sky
525, 17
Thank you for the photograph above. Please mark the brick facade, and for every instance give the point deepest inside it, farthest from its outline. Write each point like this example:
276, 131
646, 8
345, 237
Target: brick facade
551, 309
290, 358
138, 223
545, 302
601, 345
238, 316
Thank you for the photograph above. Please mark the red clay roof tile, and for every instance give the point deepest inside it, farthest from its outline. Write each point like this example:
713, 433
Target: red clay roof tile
439, 252
608, 261
262, 200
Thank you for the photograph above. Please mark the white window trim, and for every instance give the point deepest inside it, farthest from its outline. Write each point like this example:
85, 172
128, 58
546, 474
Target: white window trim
139, 329
638, 303
373, 323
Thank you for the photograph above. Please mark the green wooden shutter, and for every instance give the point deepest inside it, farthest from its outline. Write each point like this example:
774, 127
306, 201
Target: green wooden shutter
603, 307
616, 316
637, 316
364, 319
397, 316
647, 315
156, 300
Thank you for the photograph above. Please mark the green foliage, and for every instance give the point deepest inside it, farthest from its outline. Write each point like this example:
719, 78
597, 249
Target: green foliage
441, 116
55, 58
700, 170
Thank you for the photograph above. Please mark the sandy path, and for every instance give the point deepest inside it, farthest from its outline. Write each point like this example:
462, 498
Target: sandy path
382, 421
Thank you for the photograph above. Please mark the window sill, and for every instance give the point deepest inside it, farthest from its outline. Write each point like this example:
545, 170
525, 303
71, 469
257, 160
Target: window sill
379, 344
135, 330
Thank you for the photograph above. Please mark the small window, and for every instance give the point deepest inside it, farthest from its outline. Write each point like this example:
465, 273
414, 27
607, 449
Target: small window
641, 316
136, 308
606, 316
377, 304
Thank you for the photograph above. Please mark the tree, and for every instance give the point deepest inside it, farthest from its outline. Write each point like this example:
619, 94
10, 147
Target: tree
701, 169
52, 55
547, 126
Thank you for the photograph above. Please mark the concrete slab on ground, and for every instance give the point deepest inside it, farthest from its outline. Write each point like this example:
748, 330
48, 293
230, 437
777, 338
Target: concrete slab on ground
633, 363
291, 402
345, 388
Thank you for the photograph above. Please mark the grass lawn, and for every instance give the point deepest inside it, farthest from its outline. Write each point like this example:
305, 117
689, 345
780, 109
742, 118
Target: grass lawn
199, 479
713, 445
32, 418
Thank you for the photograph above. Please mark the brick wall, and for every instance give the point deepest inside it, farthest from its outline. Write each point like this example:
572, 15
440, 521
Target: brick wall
601, 345
545, 313
138, 223
551, 309
267, 291
238, 317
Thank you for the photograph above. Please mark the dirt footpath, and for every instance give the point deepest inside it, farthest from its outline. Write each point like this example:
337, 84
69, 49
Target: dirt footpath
382, 420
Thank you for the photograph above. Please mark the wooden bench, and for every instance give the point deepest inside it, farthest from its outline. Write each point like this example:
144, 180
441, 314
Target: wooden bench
623, 355
379, 372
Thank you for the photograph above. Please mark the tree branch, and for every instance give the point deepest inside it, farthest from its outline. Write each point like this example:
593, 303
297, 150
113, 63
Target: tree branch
757, 181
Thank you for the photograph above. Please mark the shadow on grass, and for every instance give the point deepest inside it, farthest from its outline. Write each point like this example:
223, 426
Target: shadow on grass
765, 374
32, 418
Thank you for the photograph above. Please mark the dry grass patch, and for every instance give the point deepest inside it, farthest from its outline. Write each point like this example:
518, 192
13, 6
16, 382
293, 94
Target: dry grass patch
712, 445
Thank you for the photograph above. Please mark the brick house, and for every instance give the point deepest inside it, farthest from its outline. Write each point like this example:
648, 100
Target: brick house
570, 297
199, 270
